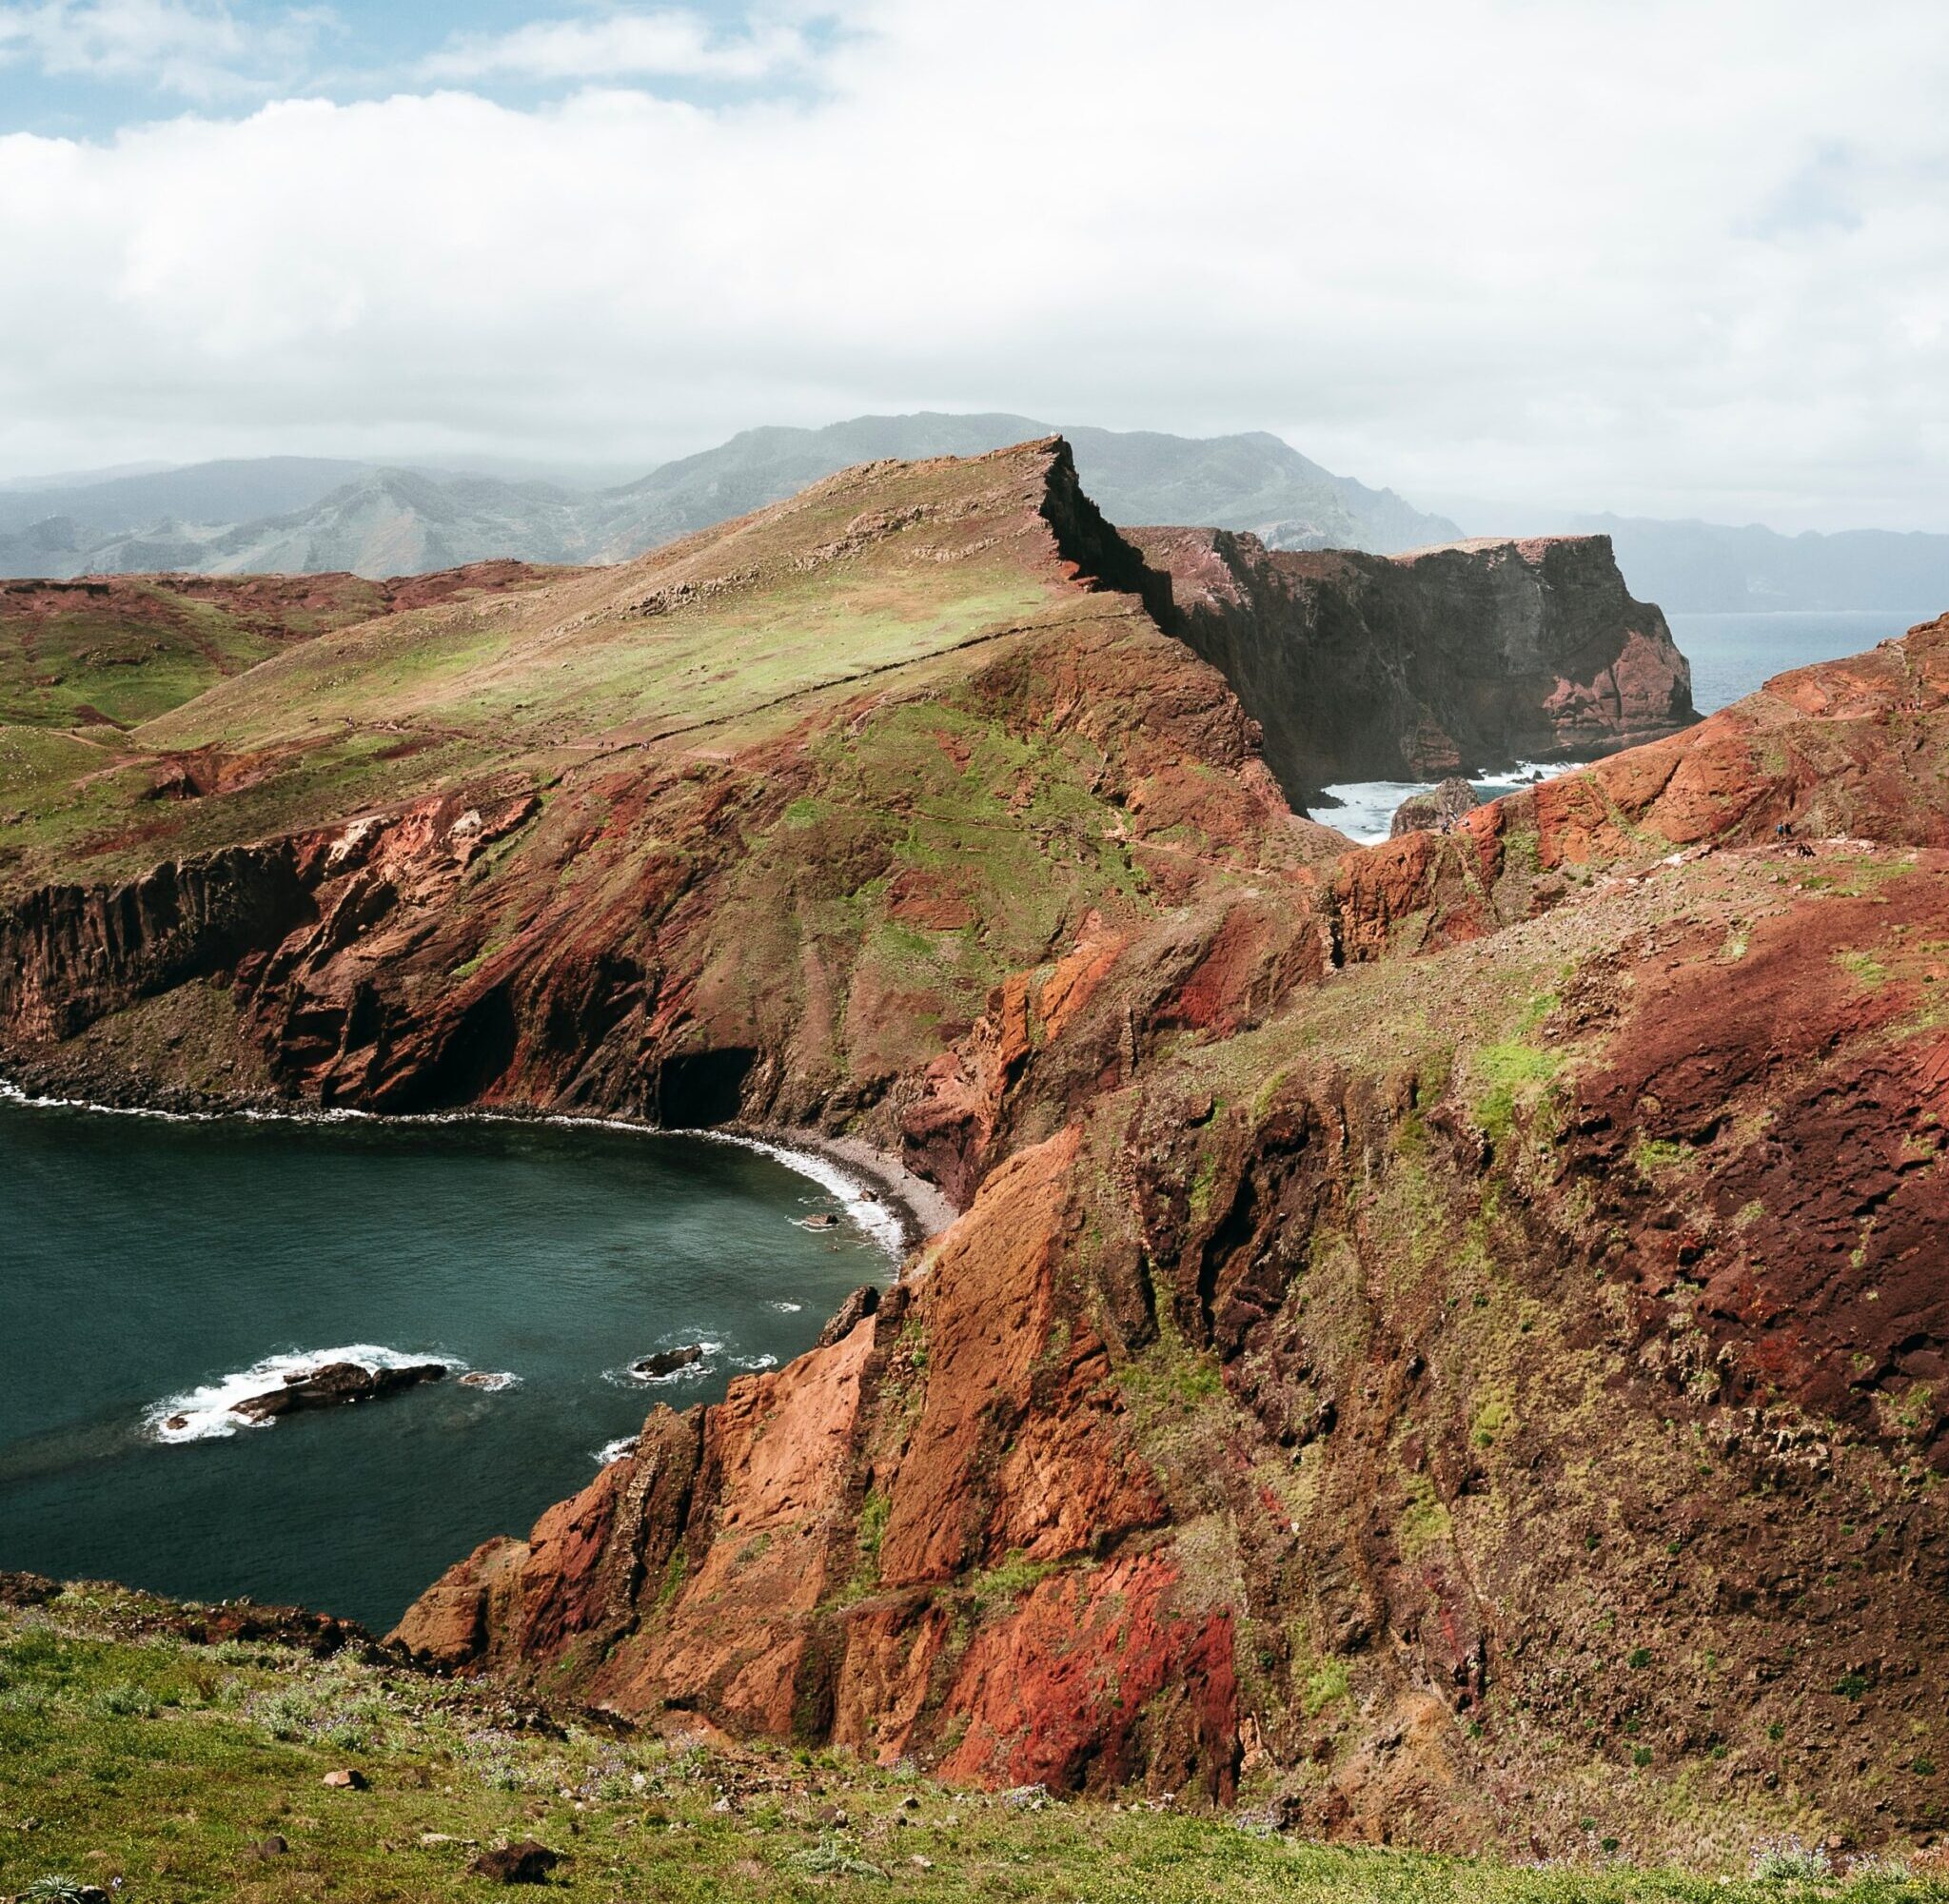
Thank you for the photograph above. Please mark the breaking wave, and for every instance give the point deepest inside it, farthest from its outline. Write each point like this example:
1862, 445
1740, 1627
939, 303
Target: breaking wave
1366, 807
628, 1377
203, 1414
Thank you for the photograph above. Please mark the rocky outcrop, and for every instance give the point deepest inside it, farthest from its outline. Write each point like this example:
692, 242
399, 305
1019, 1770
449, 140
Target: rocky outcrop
71, 953
1440, 807
924, 1537
1843, 750
338, 1385
1455, 1361
1436, 1333
1468, 657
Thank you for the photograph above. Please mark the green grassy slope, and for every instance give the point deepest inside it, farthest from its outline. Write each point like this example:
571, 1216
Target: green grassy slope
130, 1752
122, 652
716, 641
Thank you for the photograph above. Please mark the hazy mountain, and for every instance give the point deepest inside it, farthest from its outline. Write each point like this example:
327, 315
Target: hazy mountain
1251, 482
237, 490
1138, 477
1708, 567
305, 514
297, 515
75, 478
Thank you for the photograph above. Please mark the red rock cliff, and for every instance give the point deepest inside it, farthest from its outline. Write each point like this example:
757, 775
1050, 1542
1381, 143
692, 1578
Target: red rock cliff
1358, 1409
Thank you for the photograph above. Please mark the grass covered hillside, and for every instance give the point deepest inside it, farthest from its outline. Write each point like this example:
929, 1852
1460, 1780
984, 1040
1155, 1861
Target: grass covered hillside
1445, 1343
159, 1751
769, 814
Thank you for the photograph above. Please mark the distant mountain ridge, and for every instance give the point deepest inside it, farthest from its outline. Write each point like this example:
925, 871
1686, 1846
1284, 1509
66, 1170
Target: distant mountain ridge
1705, 568
311, 515
314, 515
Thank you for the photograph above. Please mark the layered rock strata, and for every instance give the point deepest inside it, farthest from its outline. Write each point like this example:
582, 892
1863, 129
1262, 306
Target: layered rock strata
1450, 660
1439, 1336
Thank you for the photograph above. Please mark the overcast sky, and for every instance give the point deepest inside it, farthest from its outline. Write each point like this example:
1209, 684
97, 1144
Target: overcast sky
1686, 259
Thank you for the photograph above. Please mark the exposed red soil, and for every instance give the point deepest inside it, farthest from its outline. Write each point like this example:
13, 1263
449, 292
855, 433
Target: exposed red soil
1806, 1083
1296, 1408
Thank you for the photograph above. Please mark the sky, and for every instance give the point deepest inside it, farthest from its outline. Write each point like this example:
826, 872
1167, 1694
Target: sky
1519, 255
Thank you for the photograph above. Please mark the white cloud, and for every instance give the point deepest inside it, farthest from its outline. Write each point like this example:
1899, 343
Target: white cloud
1499, 247
667, 43
200, 51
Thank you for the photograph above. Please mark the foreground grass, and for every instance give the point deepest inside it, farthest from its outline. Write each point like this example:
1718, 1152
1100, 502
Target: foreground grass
132, 1754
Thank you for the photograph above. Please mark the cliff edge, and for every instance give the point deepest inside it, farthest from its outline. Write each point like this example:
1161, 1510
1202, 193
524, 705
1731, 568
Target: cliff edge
1446, 661
1498, 1384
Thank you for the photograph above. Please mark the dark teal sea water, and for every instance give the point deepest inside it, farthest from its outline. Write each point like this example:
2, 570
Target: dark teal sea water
143, 1261
1732, 654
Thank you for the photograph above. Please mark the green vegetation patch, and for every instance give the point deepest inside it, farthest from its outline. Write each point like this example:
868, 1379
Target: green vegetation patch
1654, 1156
1863, 968
1424, 1520
1510, 1072
195, 1773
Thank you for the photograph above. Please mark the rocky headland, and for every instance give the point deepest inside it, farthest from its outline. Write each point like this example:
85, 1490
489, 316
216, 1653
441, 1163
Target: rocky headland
1434, 1332
1446, 661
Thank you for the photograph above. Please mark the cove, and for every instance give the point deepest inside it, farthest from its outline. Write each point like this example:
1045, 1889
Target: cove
147, 1263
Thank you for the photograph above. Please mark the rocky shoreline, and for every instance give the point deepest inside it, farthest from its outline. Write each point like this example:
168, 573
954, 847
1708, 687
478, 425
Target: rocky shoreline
918, 1208
1412, 1304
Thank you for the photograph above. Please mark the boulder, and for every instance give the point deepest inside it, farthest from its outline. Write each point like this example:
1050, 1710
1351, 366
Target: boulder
862, 1303
528, 1862
1437, 810
668, 1360
333, 1386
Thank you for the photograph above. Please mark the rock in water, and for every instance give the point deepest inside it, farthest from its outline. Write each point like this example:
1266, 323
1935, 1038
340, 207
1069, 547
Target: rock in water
1440, 807
335, 1383
528, 1862
668, 1360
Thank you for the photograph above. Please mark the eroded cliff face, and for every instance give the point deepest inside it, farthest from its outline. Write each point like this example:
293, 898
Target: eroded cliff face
1495, 1388
1446, 661
1439, 1336
865, 904
928, 1537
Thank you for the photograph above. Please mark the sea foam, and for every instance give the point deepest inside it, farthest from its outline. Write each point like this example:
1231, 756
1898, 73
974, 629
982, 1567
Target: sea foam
204, 1412
1366, 807
870, 1212
628, 1375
